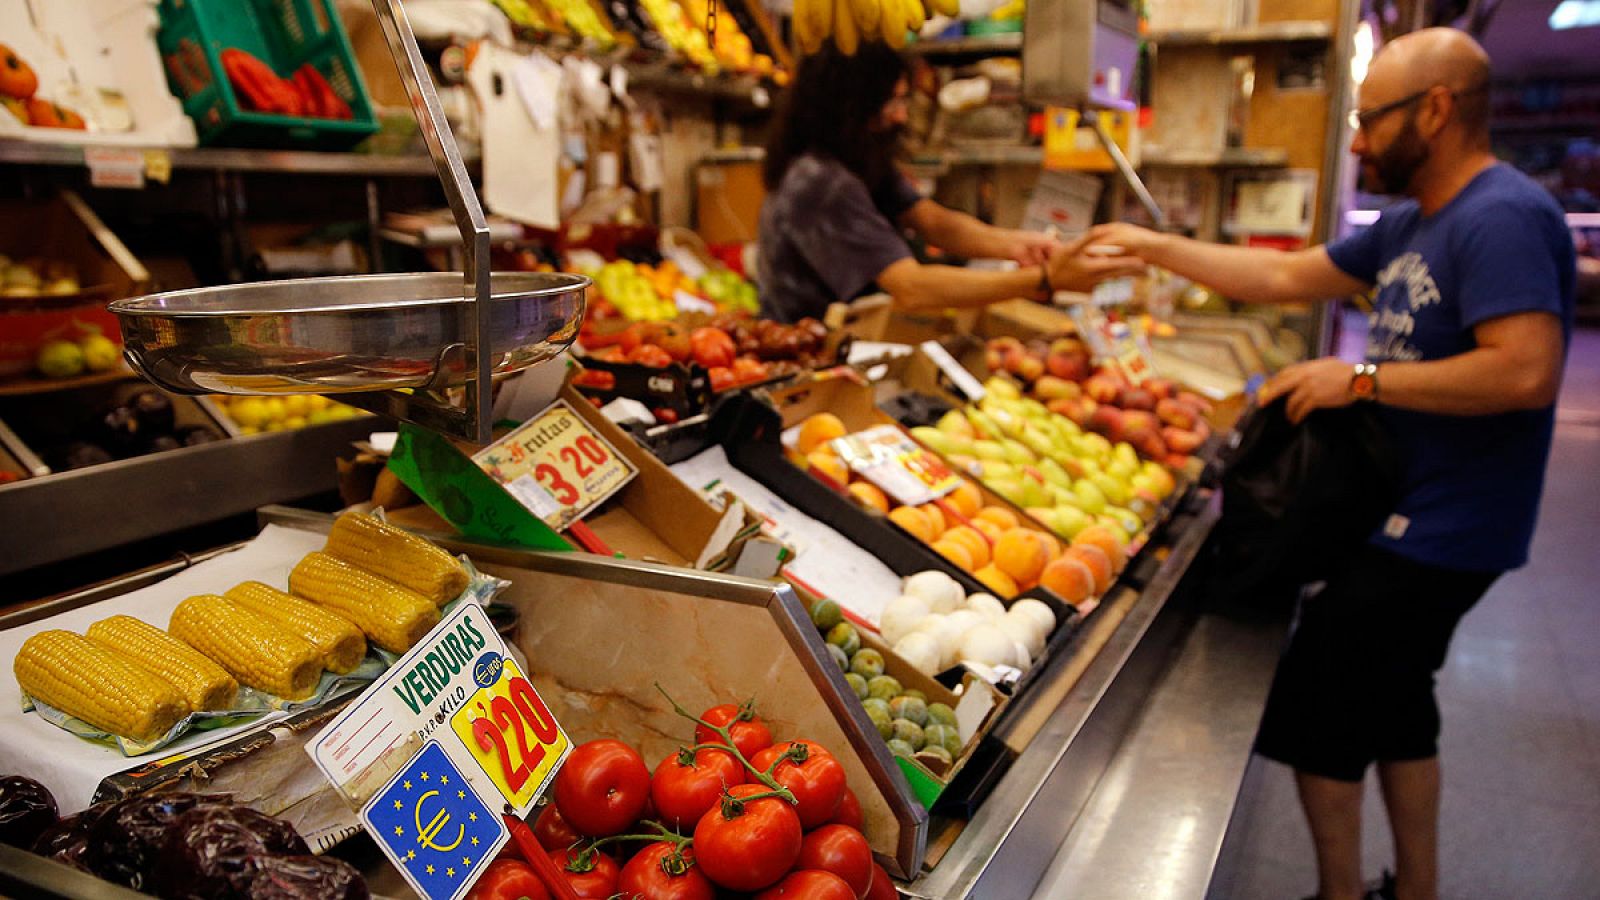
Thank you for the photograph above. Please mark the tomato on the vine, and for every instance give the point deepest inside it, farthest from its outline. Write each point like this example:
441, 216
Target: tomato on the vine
508, 879
598, 882
747, 845
659, 873
882, 885
686, 784
721, 379
849, 811
711, 347
650, 355
841, 850
552, 831
817, 780
750, 733
808, 884
603, 788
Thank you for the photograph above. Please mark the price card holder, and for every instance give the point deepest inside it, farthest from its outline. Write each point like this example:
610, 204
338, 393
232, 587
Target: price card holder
964, 381
555, 466
432, 751
887, 457
1114, 343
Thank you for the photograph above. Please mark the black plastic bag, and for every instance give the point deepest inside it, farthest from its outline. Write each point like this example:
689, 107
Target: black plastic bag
1297, 500
27, 810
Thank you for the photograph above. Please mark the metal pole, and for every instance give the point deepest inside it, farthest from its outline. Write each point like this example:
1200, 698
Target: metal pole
1125, 168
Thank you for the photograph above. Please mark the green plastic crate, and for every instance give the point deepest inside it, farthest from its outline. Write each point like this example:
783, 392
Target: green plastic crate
284, 34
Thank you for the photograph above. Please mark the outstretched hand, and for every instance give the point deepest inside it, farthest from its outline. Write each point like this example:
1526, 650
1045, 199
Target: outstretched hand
1309, 386
1073, 268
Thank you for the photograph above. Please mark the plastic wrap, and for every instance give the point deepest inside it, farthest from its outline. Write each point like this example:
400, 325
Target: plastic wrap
305, 878
67, 841
27, 810
125, 842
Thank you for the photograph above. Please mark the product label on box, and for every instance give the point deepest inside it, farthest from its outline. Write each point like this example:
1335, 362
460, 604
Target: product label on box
890, 459
555, 466
1114, 343
115, 167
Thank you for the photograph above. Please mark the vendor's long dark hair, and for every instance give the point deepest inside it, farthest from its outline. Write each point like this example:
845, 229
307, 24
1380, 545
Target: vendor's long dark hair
828, 110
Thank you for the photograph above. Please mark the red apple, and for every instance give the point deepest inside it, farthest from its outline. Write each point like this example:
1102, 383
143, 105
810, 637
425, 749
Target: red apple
1148, 443
1026, 367
1161, 387
1138, 398
1175, 413
1102, 388
1107, 420
1195, 400
1140, 419
1175, 461
1180, 440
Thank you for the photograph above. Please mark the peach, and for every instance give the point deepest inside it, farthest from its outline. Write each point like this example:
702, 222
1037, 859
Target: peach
988, 529
1107, 420
995, 580
1138, 398
1179, 440
818, 430
973, 540
1162, 388
828, 466
936, 517
1021, 553
914, 521
1052, 546
1096, 561
966, 498
956, 552
868, 495
1178, 415
999, 515
1102, 388
1051, 387
1100, 536
1069, 579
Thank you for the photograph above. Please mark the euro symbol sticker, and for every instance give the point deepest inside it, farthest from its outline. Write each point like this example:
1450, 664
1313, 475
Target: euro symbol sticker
440, 821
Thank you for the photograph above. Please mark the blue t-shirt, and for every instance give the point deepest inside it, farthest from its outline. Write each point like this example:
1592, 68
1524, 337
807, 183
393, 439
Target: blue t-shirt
1500, 246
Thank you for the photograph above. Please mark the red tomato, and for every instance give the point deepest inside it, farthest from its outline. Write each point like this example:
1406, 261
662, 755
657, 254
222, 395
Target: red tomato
711, 347
650, 355
750, 734
817, 781
747, 371
683, 792
750, 850
653, 874
508, 879
675, 340
849, 811
808, 884
632, 337
552, 831
841, 850
722, 379
665, 415
882, 885
598, 882
603, 787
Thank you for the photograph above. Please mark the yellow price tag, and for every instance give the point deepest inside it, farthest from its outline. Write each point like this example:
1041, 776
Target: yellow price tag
511, 733
555, 466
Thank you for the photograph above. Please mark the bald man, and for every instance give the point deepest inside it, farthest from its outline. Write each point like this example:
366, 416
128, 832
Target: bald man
1474, 275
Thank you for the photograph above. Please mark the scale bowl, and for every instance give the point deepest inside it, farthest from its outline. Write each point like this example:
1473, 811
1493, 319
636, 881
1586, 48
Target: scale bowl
342, 335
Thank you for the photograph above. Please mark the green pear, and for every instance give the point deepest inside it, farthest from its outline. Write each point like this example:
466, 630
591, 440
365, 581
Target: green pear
1121, 469
990, 468
985, 427
1142, 482
1009, 488
989, 450
1090, 497
1124, 453
954, 423
1004, 388
934, 439
1034, 438
1115, 526
1053, 473
1033, 409
1017, 453
1099, 447
1127, 518
1034, 493
962, 462
1045, 516
1116, 492
1070, 520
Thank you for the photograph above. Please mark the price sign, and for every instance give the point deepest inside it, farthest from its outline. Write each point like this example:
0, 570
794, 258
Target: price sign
890, 459
510, 732
555, 466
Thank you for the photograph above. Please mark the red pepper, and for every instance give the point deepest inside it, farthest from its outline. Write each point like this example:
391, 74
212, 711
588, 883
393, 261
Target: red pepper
258, 86
321, 99
508, 879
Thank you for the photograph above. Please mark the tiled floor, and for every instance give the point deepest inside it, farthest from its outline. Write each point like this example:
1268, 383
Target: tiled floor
1520, 696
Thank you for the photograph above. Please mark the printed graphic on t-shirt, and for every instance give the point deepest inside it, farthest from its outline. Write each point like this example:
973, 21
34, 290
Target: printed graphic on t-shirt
1389, 338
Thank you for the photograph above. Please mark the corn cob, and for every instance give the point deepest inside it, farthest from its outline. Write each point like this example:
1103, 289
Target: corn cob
203, 683
339, 643
80, 678
253, 648
393, 617
397, 555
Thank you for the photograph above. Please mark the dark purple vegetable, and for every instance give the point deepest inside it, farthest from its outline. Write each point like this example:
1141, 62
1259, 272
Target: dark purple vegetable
118, 431
125, 842
80, 454
154, 410
191, 435
162, 442
27, 810
67, 841
305, 878
210, 851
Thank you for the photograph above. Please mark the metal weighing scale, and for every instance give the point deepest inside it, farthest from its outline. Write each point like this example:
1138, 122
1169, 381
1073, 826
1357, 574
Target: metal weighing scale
406, 346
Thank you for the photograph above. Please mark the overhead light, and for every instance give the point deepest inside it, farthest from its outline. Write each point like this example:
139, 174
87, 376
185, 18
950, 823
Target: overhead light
1575, 14
1361, 55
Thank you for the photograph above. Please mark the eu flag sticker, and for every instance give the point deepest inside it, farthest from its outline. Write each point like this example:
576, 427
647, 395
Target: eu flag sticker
433, 826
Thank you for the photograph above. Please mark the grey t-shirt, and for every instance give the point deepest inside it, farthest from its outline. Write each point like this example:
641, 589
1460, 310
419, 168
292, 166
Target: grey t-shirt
825, 237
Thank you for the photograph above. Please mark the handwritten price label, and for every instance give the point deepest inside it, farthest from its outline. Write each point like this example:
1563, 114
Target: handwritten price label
556, 466
510, 732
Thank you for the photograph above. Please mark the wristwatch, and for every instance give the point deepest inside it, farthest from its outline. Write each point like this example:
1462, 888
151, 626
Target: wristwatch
1364, 382
1046, 291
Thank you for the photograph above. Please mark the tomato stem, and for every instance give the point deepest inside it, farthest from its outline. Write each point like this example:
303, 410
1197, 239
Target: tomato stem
733, 807
729, 746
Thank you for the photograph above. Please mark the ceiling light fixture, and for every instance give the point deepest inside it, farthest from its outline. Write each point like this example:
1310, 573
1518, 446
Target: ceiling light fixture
1575, 14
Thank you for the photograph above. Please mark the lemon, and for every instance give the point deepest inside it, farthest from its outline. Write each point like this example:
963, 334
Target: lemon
275, 410
60, 359
294, 422
296, 405
99, 352
248, 412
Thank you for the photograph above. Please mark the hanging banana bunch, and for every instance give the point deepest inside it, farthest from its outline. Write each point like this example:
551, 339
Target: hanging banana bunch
850, 22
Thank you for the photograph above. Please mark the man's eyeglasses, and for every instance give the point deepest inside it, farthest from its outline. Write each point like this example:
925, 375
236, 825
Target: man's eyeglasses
1363, 118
